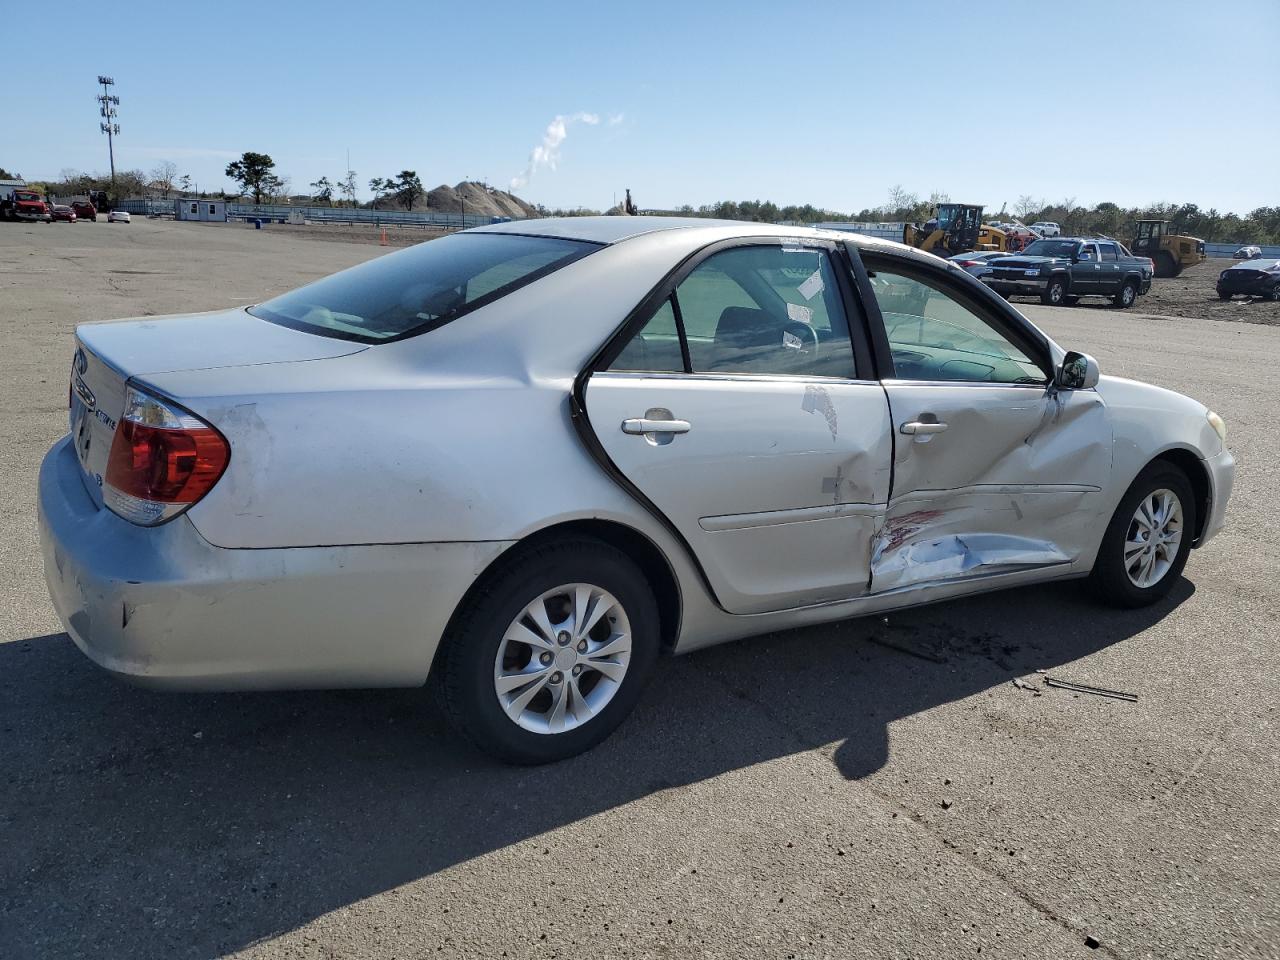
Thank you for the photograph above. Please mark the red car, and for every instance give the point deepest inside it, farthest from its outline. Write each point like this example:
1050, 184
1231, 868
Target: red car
62, 212
84, 210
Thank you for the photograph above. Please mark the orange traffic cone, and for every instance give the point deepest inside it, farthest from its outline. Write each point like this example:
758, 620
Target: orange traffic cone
383, 241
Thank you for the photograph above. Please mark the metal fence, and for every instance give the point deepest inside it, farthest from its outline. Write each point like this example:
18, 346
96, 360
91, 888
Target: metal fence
1227, 249
281, 212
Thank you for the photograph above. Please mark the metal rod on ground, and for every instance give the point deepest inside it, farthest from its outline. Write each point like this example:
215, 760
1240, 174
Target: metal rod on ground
1085, 688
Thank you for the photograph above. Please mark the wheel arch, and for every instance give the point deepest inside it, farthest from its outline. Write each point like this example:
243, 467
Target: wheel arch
1197, 475
637, 546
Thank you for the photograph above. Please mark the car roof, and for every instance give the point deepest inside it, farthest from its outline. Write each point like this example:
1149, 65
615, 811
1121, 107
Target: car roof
696, 231
608, 230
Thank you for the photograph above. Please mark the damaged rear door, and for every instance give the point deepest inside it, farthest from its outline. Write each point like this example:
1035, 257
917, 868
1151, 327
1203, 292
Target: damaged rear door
733, 405
995, 470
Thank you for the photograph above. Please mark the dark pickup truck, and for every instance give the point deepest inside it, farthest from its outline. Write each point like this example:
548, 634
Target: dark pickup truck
1061, 270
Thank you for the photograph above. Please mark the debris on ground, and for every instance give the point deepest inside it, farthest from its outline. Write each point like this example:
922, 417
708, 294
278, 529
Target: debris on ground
1024, 685
1085, 688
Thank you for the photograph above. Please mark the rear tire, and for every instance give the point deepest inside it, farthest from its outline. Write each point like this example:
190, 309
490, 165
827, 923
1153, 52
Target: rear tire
1121, 574
1055, 294
521, 724
1127, 296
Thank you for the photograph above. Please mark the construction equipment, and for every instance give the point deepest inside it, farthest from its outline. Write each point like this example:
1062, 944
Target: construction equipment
953, 229
1170, 252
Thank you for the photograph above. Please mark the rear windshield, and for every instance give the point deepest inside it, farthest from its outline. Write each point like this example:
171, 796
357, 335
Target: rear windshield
1051, 248
420, 288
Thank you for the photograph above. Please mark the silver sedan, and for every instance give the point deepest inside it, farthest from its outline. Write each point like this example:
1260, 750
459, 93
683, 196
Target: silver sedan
527, 460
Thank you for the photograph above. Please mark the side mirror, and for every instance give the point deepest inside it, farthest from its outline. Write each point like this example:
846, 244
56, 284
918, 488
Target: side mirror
1079, 371
1082, 256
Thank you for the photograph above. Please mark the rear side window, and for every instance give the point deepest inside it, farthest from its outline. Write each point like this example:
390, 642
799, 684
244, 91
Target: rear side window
420, 288
764, 309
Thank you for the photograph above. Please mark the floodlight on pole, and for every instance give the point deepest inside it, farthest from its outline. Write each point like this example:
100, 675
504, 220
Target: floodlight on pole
107, 103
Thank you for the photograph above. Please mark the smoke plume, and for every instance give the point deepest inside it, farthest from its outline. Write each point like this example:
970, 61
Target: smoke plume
547, 153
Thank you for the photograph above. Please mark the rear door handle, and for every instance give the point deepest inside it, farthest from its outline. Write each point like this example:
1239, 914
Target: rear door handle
639, 425
918, 427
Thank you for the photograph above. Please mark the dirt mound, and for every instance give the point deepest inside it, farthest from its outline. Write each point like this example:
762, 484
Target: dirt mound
477, 199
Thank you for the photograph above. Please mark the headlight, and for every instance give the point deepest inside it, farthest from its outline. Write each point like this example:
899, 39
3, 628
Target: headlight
1219, 425
1223, 275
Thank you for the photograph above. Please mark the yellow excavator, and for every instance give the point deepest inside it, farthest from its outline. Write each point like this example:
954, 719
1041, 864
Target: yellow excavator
955, 228
1170, 252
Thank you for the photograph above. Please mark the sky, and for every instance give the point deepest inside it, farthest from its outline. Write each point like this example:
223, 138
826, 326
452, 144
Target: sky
824, 103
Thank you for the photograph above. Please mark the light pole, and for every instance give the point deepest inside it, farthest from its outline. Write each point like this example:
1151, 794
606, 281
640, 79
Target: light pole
107, 109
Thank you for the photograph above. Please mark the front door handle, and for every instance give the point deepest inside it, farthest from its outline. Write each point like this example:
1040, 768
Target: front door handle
918, 427
641, 425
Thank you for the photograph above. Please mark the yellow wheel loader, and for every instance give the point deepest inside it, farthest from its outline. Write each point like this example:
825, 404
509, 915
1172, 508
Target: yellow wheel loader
1170, 252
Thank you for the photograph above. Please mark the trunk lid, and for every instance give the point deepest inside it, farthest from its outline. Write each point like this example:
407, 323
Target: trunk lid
108, 354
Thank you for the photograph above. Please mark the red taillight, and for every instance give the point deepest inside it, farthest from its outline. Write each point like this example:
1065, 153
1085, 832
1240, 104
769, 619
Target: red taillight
162, 460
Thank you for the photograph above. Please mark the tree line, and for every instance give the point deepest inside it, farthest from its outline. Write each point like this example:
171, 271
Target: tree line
1261, 225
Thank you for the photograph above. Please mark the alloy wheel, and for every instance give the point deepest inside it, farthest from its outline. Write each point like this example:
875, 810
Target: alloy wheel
563, 658
1155, 533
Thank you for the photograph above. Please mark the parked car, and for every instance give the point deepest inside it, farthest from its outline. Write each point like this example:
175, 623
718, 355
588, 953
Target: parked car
118, 216
1253, 278
85, 210
527, 459
1047, 228
61, 211
1062, 270
1247, 253
978, 262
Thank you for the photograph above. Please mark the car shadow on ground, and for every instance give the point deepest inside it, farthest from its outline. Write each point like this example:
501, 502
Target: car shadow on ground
140, 824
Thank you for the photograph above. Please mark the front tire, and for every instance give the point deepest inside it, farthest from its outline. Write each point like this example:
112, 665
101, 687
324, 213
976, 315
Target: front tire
1127, 296
1055, 294
1223, 295
1147, 541
549, 655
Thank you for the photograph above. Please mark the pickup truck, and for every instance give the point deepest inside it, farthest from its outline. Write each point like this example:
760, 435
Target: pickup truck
23, 204
1062, 270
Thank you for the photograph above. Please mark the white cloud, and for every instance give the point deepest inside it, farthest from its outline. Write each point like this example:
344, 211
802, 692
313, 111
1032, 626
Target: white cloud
615, 119
547, 153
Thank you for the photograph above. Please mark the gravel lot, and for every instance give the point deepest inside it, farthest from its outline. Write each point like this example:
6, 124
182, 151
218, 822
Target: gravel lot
806, 794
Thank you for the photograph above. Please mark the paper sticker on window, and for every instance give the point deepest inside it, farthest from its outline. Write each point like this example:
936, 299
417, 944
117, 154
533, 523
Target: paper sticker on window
800, 314
811, 287
791, 341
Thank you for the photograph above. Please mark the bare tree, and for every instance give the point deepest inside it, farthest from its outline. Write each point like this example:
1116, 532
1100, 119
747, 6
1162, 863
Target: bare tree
1027, 205
900, 199
165, 172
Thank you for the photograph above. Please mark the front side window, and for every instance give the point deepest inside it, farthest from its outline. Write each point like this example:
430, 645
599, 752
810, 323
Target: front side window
761, 309
420, 288
933, 336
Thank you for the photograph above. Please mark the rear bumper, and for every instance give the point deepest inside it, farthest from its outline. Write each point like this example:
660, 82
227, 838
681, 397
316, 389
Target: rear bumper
163, 607
1222, 472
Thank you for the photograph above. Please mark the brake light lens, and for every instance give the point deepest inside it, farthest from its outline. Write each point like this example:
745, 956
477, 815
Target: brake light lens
162, 460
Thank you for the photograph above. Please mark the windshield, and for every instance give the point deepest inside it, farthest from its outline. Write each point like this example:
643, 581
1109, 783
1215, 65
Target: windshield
420, 288
1050, 248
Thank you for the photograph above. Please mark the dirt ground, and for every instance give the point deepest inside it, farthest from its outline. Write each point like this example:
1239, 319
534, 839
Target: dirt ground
899, 787
1194, 294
